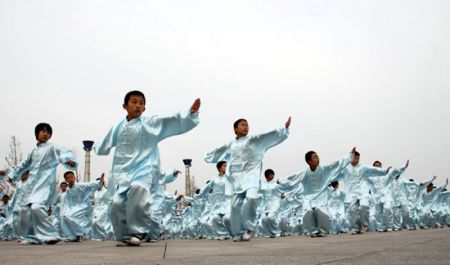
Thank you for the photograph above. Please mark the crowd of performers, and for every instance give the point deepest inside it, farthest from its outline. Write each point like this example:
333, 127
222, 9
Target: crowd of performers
240, 203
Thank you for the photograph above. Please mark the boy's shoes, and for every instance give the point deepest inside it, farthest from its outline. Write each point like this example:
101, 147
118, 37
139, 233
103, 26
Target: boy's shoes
53, 241
237, 239
121, 244
247, 235
75, 240
134, 242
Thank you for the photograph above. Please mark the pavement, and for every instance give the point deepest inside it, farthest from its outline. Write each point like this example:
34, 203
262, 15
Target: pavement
405, 247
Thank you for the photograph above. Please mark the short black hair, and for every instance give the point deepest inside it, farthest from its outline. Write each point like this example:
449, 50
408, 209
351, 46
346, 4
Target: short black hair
236, 123
334, 183
65, 183
42, 127
376, 162
67, 173
197, 191
309, 155
220, 164
268, 172
132, 93
357, 153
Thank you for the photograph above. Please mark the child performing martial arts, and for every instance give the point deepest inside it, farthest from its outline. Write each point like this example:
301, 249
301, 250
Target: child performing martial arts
244, 157
136, 164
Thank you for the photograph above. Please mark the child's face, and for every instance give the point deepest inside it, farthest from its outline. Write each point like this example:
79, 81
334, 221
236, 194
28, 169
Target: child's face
223, 168
135, 107
241, 129
70, 179
43, 136
63, 187
315, 161
24, 176
355, 160
270, 177
377, 164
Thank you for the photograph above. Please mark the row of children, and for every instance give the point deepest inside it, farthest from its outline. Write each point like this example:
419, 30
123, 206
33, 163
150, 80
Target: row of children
138, 210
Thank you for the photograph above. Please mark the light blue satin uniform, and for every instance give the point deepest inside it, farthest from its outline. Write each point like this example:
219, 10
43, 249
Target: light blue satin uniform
315, 193
357, 194
42, 163
136, 167
244, 162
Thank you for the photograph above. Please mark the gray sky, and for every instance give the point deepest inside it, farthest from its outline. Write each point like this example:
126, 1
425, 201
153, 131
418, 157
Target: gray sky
370, 74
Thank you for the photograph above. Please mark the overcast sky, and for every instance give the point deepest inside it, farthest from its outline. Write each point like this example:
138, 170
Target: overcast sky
370, 74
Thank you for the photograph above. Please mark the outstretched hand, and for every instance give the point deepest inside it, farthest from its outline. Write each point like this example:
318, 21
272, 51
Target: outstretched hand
446, 181
196, 106
434, 178
288, 123
388, 169
70, 163
176, 173
407, 163
353, 151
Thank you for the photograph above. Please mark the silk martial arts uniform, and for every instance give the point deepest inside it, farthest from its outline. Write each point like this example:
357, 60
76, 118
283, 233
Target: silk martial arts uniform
136, 167
244, 161
42, 163
357, 194
315, 193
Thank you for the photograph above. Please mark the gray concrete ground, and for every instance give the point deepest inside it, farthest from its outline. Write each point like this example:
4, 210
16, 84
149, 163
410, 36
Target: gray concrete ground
406, 247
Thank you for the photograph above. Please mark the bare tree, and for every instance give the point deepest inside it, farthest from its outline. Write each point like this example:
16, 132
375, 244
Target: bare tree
15, 154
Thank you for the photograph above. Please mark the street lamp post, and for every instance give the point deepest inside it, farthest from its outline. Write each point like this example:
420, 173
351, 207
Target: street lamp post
187, 164
87, 146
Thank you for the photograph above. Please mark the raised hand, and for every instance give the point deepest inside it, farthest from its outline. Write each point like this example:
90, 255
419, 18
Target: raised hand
407, 163
353, 150
288, 123
196, 106
71, 163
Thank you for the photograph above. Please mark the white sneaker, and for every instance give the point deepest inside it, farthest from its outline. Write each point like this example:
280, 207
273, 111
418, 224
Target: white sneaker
134, 241
247, 236
237, 239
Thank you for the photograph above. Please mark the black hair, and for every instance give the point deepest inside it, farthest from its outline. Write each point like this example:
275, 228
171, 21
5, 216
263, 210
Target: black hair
43, 127
6, 195
220, 164
236, 123
268, 172
412, 180
197, 191
376, 162
334, 183
67, 173
309, 155
132, 93
357, 153
65, 183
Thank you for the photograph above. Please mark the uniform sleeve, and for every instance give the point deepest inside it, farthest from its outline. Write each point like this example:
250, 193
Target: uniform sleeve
168, 177
218, 154
64, 155
270, 139
289, 184
104, 146
370, 171
173, 125
334, 170
20, 169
